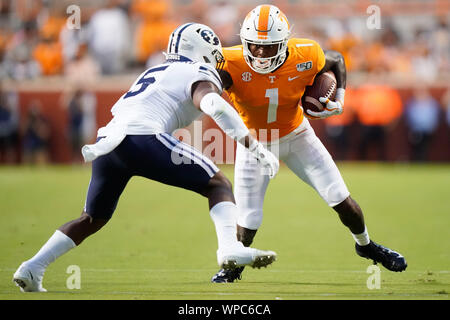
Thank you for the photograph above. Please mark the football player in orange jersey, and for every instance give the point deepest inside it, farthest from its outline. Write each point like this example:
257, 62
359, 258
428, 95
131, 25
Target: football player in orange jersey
265, 78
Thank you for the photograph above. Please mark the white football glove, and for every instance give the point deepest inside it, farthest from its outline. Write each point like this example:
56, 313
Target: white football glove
269, 162
331, 107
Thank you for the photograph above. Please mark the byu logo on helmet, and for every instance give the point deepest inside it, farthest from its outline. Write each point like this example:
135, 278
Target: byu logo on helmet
196, 42
209, 37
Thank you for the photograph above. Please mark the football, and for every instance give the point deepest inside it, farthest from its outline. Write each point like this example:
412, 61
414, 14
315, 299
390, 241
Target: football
324, 86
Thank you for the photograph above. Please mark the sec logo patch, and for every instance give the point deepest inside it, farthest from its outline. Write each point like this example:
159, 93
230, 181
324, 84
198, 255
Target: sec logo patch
246, 76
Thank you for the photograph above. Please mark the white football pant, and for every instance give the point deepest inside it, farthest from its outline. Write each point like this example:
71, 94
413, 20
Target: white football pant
305, 155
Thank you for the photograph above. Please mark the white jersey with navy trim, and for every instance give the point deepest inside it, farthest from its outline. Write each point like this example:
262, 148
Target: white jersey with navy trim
160, 99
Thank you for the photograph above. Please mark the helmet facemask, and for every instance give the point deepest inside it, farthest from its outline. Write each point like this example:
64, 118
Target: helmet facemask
268, 64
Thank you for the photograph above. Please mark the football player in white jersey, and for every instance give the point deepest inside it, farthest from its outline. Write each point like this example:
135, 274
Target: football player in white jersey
138, 141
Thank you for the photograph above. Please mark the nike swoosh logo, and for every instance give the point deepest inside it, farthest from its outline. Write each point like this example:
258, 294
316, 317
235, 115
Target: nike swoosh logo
31, 275
293, 78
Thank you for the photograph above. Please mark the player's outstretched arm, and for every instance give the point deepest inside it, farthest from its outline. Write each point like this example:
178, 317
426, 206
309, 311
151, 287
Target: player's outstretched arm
206, 98
335, 62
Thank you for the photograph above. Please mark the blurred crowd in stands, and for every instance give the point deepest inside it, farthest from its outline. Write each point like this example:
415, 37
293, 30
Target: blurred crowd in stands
42, 38
116, 35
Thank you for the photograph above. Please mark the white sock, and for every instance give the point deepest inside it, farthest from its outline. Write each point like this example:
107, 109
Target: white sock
363, 238
224, 216
56, 246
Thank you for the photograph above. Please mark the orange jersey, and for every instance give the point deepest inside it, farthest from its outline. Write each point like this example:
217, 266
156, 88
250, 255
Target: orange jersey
271, 101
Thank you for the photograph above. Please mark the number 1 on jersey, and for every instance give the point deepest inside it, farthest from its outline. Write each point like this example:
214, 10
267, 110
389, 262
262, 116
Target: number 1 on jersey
272, 94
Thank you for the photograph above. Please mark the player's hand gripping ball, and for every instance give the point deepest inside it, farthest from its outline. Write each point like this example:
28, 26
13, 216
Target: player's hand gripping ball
318, 99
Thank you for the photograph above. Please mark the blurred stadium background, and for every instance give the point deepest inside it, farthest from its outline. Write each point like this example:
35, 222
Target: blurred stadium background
59, 83
57, 86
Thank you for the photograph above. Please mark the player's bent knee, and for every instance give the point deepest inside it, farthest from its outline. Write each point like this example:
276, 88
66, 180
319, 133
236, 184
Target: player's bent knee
349, 204
91, 223
218, 189
220, 181
224, 181
335, 194
82, 227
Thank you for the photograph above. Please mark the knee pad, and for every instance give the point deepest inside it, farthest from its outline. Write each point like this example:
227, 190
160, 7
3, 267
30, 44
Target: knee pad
335, 193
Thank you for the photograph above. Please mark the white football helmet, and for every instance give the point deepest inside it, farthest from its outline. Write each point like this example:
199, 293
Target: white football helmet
265, 25
197, 42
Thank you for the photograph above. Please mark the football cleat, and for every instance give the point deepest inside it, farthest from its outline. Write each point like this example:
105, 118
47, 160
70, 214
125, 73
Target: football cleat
239, 256
227, 276
390, 259
28, 280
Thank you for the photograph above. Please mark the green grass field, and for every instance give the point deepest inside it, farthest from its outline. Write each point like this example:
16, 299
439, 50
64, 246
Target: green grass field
161, 244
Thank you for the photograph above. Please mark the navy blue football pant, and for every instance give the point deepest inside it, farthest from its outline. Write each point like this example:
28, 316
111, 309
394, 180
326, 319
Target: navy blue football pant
158, 157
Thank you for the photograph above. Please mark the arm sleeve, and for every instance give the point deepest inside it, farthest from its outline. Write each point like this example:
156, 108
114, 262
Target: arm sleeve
224, 115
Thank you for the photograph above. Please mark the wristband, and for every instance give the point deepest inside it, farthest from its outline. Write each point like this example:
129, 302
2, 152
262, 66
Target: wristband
340, 93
